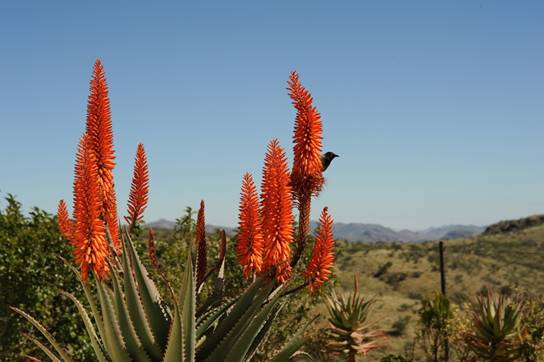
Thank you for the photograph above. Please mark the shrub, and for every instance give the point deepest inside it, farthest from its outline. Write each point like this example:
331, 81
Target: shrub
30, 277
399, 326
434, 317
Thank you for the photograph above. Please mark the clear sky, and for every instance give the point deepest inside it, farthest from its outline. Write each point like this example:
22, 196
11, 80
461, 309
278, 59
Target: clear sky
436, 108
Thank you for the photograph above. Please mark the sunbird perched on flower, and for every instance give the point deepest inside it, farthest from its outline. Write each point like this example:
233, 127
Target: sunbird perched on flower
327, 158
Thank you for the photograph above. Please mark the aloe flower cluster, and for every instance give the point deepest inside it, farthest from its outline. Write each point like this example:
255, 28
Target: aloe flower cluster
95, 209
94, 225
266, 233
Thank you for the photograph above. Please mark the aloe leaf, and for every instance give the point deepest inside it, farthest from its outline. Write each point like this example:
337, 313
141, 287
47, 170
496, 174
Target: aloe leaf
136, 310
95, 342
207, 320
41, 346
242, 344
264, 331
226, 324
188, 302
113, 338
288, 350
239, 325
174, 349
292, 345
218, 287
133, 343
61, 351
151, 300
90, 299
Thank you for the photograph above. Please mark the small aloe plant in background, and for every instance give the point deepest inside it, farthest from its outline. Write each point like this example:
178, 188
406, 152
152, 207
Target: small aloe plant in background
496, 328
351, 333
128, 319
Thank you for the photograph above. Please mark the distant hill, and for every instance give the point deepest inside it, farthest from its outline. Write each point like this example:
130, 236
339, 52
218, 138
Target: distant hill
169, 225
367, 232
375, 232
161, 224
508, 226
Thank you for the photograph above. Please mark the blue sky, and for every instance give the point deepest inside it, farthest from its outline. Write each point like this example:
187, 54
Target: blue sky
436, 108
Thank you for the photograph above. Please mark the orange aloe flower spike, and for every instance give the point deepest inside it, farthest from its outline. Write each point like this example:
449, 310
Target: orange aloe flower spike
250, 239
201, 246
306, 176
66, 226
321, 262
99, 129
137, 200
89, 241
276, 213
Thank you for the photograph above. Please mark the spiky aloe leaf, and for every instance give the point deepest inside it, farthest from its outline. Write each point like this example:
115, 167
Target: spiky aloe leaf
240, 325
292, 345
113, 338
90, 299
61, 351
159, 319
174, 349
133, 343
187, 305
136, 310
226, 324
264, 331
210, 317
237, 352
95, 342
41, 346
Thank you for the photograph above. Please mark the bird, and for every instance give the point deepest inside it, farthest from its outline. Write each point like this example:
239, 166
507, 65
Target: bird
327, 158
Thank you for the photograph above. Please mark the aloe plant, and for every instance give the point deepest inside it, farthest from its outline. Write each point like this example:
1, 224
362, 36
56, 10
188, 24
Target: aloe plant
129, 320
496, 326
350, 331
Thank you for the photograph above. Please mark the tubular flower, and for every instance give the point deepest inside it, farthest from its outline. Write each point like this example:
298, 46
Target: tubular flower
66, 225
306, 177
100, 133
276, 212
137, 200
89, 241
250, 239
322, 259
201, 245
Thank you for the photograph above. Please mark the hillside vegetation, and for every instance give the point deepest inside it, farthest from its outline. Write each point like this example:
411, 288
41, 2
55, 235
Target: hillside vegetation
400, 275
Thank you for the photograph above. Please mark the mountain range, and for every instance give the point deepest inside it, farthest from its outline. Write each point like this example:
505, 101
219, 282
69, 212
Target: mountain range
367, 232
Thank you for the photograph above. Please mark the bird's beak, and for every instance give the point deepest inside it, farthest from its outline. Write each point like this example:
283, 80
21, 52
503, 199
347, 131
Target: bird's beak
335, 155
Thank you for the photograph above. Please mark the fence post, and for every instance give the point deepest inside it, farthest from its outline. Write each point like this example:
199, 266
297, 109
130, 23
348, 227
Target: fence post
443, 290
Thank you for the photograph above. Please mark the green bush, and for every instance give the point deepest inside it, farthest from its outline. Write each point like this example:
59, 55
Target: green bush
31, 275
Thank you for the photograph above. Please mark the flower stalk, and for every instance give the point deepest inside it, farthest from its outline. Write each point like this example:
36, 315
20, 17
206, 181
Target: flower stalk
201, 258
